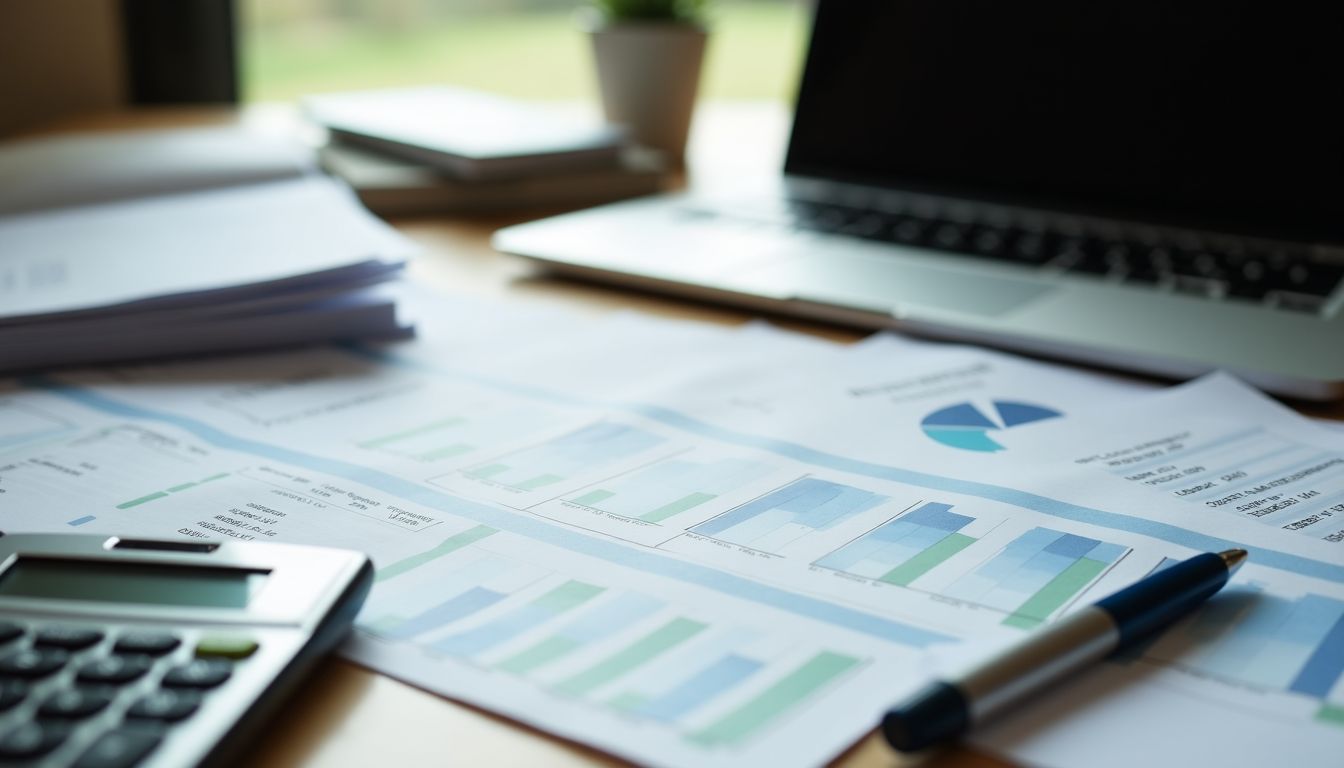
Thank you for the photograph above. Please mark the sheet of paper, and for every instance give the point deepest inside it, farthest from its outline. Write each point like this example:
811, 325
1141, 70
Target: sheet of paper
687, 545
233, 242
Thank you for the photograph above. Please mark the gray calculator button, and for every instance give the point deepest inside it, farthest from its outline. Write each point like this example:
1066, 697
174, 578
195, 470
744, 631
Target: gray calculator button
33, 662
31, 740
9, 630
113, 670
167, 705
74, 703
198, 673
148, 643
118, 749
11, 693
70, 638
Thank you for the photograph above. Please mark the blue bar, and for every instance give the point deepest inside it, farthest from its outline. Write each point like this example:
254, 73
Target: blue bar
610, 618
815, 503
443, 614
700, 688
938, 516
488, 635
1323, 670
1072, 546
81, 520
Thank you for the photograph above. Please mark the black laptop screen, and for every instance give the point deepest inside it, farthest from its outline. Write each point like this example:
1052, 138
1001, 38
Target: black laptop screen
1221, 114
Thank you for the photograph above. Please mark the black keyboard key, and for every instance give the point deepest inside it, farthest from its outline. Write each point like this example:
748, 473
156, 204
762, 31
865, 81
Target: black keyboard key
33, 663
10, 631
11, 693
1312, 279
147, 643
31, 740
166, 705
69, 638
198, 673
113, 670
948, 236
907, 231
988, 241
1300, 302
1030, 247
74, 703
866, 226
119, 749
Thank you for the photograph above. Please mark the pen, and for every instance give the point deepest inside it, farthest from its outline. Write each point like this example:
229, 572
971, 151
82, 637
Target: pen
947, 709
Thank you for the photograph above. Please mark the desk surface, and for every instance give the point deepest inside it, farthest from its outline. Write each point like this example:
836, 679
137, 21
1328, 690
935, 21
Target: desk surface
347, 716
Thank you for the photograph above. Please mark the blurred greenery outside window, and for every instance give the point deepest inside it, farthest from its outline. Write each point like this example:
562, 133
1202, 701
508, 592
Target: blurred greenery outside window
525, 48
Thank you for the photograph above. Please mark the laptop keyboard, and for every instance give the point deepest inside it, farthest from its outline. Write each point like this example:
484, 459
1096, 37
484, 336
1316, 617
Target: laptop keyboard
1281, 278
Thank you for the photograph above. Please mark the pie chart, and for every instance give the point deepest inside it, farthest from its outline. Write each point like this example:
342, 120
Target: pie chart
968, 426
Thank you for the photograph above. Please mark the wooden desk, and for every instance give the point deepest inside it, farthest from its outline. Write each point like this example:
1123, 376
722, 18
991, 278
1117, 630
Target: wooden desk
348, 717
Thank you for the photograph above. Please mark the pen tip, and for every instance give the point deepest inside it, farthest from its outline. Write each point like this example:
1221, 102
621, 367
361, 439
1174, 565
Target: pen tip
1233, 558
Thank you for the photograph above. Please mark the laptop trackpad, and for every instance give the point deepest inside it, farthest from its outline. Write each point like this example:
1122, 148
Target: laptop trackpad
888, 283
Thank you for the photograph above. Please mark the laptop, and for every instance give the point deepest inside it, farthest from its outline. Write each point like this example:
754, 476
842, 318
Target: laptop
1156, 187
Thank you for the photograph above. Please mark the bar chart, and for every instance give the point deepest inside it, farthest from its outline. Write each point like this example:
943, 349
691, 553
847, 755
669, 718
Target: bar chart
907, 547
1251, 637
781, 517
670, 487
1038, 573
550, 605
584, 450
459, 434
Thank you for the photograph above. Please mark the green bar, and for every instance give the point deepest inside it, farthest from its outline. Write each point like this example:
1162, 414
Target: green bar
677, 507
379, 442
213, 477
538, 482
445, 452
737, 725
450, 544
1056, 593
1332, 714
544, 652
487, 471
142, 500
927, 560
636, 654
628, 702
181, 487
592, 497
569, 595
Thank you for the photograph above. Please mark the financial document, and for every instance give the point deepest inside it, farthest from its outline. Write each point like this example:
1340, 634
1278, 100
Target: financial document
693, 545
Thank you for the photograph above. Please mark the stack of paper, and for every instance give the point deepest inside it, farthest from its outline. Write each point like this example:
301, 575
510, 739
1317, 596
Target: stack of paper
433, 149
700, 546
273, 256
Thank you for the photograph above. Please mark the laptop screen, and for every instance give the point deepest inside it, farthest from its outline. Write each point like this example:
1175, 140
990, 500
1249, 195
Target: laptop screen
1215, 114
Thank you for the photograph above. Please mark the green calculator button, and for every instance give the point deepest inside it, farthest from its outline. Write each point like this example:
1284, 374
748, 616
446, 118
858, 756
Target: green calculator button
226, 646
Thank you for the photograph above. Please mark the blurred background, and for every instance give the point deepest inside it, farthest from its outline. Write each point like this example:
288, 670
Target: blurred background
525, 48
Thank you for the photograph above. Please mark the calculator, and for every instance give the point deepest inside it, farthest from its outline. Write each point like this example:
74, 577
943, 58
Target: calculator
120, 652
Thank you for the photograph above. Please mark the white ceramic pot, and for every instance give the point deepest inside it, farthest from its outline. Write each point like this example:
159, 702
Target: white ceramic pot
648, 73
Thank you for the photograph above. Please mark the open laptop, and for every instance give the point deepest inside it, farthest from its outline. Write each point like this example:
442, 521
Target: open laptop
1145, 185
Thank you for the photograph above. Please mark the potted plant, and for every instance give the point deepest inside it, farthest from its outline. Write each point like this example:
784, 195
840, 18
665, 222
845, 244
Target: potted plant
648, 55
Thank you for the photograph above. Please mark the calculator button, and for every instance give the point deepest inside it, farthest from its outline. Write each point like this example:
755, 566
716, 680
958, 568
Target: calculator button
118, 749
113, 669
9, 630
74, 703
166, 705
31, 740
148, 643
70, 638
33, 662
198, 673
11, 693
226, 646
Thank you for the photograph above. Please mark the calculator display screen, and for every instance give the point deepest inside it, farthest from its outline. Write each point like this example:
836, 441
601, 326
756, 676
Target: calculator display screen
121, 582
